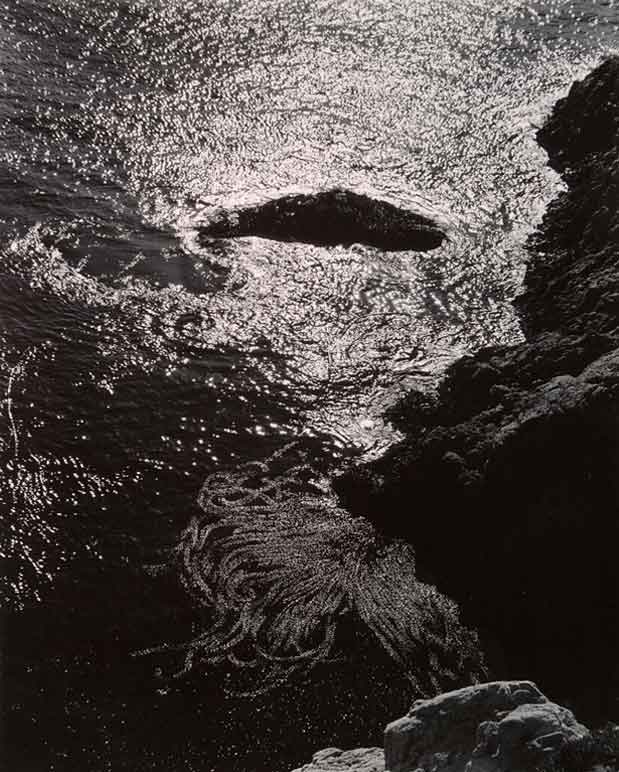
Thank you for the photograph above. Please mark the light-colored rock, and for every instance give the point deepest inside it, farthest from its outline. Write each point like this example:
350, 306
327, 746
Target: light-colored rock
503, 726
451, 721
336, 760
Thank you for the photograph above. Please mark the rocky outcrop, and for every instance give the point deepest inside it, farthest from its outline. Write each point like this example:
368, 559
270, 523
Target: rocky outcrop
586, 122
335, 760
496, 727
328, 218
503, 726
507, 481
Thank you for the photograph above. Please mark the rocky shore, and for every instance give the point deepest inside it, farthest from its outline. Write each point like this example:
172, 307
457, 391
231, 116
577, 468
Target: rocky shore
507, 480
504, 726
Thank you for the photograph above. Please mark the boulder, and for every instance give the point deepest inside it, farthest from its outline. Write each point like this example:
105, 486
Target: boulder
504, 726
336, 760
501, 726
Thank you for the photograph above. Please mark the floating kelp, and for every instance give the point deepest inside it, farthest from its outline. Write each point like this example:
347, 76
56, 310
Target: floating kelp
285, 572
329, 218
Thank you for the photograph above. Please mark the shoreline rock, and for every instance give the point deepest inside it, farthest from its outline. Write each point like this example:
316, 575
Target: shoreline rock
502, 726
336, 760
507, 481
495, 727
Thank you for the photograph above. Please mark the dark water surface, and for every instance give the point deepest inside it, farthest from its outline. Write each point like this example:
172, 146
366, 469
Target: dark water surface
137, 362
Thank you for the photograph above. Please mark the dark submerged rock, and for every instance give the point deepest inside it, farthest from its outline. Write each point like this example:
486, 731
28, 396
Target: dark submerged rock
507, 481
329, 218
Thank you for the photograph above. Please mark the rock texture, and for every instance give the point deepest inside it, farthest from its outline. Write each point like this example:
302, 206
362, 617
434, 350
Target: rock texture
503, 726
495, 727
507, 481
329, 218
335, 760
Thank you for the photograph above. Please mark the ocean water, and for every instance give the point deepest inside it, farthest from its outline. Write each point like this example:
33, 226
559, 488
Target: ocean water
148, 381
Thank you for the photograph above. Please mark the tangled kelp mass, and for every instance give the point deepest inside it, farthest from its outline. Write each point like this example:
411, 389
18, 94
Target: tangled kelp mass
286, 573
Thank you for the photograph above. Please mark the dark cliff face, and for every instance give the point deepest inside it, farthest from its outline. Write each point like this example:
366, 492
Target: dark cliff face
507, 483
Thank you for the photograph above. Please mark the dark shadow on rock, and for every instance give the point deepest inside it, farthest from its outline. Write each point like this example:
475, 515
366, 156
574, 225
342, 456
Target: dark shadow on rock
329, 218
507, 480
